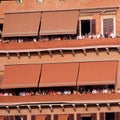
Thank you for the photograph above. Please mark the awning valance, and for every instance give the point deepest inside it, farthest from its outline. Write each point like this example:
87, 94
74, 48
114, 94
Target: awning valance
97, 73
21, 24
59, 22
21, 76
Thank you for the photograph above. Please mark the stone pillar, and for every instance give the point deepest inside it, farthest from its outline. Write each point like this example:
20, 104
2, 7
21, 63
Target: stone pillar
28, 117
75, 116
98, 116
52, 116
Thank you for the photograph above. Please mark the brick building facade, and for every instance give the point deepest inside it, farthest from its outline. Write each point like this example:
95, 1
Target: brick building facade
44, 79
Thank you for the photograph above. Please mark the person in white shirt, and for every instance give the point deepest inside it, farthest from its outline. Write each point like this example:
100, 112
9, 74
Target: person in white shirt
112, 35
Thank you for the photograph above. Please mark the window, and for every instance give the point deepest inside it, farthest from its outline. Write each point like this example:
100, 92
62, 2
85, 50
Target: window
87, 26
108, 24
40, 1
20, 1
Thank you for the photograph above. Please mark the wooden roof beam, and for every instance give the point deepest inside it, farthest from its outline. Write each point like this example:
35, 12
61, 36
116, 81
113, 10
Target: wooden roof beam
50, 52
39, 54
8, 109
62, 107
29, 55
86, 107
18, 108
40, 108
29, 108
18, 54
118, 49
73, 52
98, 106
8, 55
74, 107
107, 50
96, 50
61, 52
108, 105
51, 108
84, 51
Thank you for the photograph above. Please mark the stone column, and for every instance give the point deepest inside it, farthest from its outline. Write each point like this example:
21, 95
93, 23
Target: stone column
28, 117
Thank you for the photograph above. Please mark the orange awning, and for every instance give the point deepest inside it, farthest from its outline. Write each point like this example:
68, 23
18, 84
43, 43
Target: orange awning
21, 76
59, 74
59, 22
40, 117
63, 117
97, 73
21, 24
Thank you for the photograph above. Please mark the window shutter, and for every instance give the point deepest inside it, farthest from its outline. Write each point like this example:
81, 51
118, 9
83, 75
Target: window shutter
117, 116
108, 25
102, 116
94, 116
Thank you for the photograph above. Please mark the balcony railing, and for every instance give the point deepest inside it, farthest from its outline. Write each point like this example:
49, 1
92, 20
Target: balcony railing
59, 45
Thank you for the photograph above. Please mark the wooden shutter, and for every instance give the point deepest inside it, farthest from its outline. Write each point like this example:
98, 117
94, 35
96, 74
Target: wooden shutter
102, 116
93, 26
117, 116
108, 25
94, 116
48, 117
33, 117
71, 117
79, 117
55, 117
9, 118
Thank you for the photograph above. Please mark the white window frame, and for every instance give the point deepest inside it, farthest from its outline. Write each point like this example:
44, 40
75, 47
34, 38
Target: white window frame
114, 22
83, 18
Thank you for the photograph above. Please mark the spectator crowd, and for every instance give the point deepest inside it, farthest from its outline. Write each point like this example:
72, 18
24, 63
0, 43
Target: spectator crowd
56, 91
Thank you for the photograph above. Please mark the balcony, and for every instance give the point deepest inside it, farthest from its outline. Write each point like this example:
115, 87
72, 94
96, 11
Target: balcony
61, 46
84, 102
